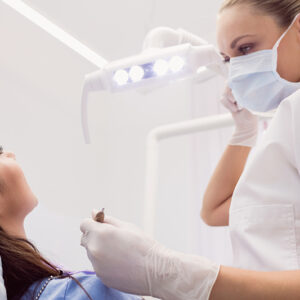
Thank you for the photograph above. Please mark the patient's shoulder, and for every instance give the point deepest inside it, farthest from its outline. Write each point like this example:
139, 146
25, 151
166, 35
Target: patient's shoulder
96, 289
68, 289
55, 289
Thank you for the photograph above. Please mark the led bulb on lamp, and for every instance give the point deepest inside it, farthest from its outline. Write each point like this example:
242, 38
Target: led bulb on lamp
121, 77
161, 67
176, 64
136, 73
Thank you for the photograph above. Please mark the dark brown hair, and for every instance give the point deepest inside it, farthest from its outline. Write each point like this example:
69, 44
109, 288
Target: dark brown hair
284, 11
23, 265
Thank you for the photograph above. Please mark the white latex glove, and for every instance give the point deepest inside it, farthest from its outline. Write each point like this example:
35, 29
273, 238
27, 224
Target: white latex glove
127, 259
162, 37
246, 123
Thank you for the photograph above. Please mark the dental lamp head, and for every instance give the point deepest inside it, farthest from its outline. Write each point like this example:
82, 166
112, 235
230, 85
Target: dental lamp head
154, 66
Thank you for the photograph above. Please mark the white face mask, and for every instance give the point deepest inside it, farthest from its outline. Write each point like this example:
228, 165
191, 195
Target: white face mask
255, 82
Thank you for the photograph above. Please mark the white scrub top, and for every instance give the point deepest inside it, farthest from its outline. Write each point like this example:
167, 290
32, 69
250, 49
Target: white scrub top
264, 216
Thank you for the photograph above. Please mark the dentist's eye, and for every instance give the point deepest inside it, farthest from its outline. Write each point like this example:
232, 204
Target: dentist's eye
245, 49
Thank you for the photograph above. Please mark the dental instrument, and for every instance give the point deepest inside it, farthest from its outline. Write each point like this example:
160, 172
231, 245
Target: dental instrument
100, 216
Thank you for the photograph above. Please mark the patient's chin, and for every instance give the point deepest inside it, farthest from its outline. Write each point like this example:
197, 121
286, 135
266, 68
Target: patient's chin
34, 202
29, 204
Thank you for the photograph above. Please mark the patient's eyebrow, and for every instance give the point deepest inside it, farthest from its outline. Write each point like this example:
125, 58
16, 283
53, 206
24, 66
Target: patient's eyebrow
234, 42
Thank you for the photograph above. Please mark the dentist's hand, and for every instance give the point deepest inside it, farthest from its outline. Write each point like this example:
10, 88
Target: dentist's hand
162, 37
246, 129
127, 259
117, 251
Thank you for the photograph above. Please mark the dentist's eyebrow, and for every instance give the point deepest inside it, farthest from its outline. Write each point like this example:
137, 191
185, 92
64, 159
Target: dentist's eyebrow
234, 42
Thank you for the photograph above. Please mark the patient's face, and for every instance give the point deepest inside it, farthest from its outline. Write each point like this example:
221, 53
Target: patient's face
16, 197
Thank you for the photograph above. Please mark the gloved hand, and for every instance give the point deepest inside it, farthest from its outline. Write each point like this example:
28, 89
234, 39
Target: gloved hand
162, 37
246, 129
127, 259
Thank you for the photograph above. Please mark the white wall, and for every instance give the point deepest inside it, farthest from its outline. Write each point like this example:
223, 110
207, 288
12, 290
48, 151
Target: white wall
40, 86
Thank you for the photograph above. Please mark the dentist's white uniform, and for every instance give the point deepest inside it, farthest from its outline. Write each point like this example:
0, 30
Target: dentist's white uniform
264, 219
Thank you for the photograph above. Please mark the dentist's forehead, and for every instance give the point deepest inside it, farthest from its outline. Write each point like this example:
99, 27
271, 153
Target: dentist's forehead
239, 21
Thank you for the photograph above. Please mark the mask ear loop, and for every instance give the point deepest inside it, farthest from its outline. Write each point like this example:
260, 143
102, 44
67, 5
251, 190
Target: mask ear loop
275, 48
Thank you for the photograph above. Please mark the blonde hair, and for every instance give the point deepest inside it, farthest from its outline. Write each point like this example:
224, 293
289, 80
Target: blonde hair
284, 11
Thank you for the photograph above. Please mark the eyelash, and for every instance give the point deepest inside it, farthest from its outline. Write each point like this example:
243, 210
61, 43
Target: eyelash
245, 49
242, 49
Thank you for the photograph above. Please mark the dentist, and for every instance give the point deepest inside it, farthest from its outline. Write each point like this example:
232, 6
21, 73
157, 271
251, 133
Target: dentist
259, 201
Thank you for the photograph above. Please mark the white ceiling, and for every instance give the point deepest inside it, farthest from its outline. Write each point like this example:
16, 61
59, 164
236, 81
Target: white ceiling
116, 28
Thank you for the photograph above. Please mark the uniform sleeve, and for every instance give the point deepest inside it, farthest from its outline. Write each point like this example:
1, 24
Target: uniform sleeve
95, 288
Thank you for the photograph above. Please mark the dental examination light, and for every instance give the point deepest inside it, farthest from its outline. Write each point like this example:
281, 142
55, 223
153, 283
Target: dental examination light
153, 67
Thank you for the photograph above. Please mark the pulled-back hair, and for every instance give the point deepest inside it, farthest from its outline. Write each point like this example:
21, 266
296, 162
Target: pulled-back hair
284, 11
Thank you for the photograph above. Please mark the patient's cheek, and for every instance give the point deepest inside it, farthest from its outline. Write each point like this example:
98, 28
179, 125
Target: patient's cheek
14, 182
16, 195
11, 174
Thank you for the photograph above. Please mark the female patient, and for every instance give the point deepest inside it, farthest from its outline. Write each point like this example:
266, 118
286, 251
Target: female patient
27, 275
